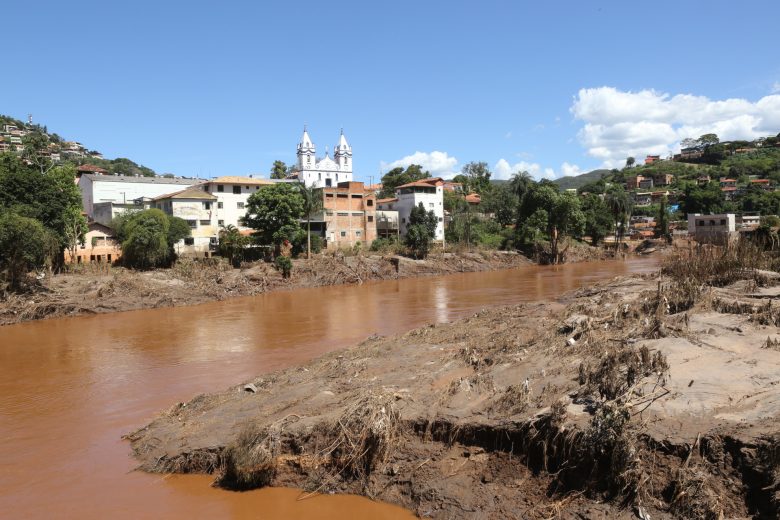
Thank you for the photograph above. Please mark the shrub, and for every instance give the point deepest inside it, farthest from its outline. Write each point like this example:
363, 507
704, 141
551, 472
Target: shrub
284, 265
24, 245
146, 245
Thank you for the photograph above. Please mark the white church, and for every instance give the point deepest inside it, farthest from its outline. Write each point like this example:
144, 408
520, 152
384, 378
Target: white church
325, 171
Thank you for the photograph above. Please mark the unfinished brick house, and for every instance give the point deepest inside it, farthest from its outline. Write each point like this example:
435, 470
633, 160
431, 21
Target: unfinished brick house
349, 215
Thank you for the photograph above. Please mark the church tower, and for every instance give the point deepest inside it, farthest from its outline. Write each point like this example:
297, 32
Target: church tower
306, 151
342, 153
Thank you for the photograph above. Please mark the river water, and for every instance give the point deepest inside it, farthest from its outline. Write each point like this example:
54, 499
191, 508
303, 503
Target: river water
70, 388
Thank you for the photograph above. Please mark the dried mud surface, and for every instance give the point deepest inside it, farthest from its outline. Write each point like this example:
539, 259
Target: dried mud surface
103, 289
621, 400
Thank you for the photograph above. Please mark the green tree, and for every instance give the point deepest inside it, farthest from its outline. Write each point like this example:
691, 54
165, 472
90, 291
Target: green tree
146, 244
565, 220
620, 205
500, 202
178, 229
630, 161
49, 197
232, 244
477, 176
312, 205
74, 228
598, 219
274, 212
398, 176
35, 144
25, 244
421, 231
278, 170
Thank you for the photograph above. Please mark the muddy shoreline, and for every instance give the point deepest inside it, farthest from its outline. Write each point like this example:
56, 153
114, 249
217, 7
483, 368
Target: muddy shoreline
618, 400
104, 289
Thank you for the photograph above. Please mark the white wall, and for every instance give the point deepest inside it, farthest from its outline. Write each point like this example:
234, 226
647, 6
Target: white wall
431, 201
96, 190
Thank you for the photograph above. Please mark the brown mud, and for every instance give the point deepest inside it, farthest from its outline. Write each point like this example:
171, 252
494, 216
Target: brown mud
102, 288
633, 398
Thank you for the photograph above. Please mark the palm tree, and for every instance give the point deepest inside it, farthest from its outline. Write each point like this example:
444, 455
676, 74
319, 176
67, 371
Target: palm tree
312, 204
620, 205
232, 244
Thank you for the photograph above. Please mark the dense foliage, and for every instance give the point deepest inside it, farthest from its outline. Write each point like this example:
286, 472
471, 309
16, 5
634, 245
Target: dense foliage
25, 245
398, 176
421, 231
148, 237
274, 212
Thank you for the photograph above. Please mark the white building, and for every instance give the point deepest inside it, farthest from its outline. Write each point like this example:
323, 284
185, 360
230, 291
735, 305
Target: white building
122, 189
712, 229
324, 172
196, 206
428, 192
232, 193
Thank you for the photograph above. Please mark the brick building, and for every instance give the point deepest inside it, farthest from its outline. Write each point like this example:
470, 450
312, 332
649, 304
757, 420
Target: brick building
349, 215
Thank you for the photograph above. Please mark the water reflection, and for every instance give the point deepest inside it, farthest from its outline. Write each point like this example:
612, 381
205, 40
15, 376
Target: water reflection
69, 388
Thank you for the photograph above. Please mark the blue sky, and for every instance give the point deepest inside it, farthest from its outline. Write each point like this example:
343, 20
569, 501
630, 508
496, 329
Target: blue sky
224, 88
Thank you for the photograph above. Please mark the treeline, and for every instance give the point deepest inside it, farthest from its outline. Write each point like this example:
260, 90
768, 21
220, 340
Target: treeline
40, 217
537, 218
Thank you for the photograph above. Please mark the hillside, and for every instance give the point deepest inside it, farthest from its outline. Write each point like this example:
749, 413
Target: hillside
16, 134
578, 181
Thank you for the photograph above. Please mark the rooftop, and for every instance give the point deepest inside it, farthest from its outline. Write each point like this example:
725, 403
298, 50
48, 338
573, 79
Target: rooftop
238, 179
143, 180
193, 192
423, 183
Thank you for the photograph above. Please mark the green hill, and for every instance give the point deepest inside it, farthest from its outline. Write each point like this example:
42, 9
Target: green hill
578, 181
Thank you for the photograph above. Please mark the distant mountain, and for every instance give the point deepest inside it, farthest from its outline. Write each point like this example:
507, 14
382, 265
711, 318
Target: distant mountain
576, 181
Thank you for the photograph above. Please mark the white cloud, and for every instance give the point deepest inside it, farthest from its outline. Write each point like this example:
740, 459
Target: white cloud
620, 124
440, 164
504, 170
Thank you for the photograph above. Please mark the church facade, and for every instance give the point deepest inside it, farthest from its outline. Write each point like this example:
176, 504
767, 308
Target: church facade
324, 172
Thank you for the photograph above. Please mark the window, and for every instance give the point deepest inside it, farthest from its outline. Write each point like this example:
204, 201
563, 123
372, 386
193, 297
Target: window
723, 222
329, 195
240, 205
189, 241
328, 183
221, 222
205, 222
357, 233
207, 205
403, 220
342, 214
236, 190
219, 205
430, 205
193, 224
370, 202
440, 219
343, 233
370, 218
220, 188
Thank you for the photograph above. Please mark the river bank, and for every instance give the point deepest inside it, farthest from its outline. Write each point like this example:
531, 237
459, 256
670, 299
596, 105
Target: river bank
102, 289
635, 397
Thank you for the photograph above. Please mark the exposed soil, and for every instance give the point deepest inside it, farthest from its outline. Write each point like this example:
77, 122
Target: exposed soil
628, 399
102, 288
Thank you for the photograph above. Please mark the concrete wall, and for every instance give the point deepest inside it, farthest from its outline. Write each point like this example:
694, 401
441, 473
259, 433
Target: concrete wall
430, 201
95, 190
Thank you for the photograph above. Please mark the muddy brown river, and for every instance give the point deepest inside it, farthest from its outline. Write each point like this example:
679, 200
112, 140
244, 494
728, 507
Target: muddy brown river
70, 388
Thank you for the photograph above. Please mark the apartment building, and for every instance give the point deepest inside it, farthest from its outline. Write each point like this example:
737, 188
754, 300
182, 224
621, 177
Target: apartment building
232, 193
197, 207
124, 189
428, 192
349, 215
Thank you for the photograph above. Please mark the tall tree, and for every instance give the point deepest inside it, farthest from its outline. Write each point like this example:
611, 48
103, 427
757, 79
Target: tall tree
398, 176
274, 212
630, 161
25, 244
620, 205
478, 176
312, 204
421, 231
279, 170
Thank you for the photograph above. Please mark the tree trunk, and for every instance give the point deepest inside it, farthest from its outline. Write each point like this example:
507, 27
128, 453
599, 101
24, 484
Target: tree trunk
308, 237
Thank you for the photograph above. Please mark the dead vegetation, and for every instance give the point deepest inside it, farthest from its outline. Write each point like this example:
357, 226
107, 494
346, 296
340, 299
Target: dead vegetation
100, 288
561, 408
